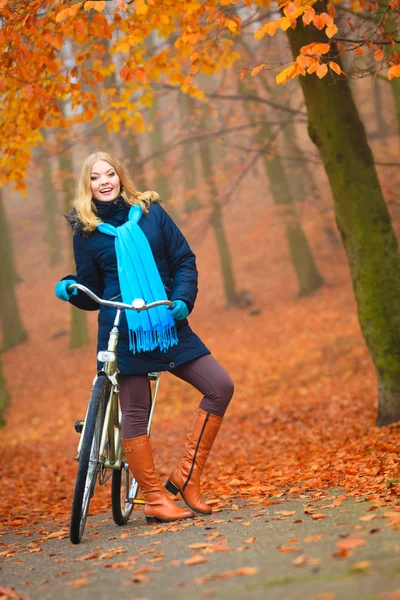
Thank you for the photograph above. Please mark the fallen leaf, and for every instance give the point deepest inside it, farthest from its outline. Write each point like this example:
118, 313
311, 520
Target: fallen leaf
289, 549
362, 565
286, 513
88, 556
313, 538
76, 583
196, 559
140, 579
300, 560
350, 543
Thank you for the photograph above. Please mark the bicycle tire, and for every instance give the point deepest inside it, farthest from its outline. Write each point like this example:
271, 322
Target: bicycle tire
89, 463
123, 491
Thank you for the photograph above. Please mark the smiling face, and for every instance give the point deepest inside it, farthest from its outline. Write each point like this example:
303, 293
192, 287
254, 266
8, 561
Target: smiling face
105, 184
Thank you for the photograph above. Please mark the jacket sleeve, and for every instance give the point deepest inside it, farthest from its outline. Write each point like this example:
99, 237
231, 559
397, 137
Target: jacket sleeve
88, 273
181, 262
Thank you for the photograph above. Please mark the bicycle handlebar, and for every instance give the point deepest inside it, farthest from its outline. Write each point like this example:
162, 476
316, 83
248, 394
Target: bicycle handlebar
138, 304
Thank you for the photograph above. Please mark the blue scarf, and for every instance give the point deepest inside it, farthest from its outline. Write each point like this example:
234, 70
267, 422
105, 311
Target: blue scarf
139, 278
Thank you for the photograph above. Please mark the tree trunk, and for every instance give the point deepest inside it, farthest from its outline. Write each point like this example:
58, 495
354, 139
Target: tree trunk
228, 277
390, 27
308, 277
79, 329
379, 108
13, 331
4, 395
50, 201
162, 182
363, 219
192, 201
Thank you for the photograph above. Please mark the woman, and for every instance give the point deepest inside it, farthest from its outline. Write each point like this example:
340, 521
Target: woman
126, 246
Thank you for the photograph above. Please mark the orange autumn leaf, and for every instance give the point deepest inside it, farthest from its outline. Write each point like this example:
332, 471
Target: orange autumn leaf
286, 513
391, 514
89, 556
327, 19
196, 559
318, 22
299, 560
394, 71
362, 565
321, 48
141, 74
359, 51
98, 5
367, 517
245, 571
252, 73
308, 15
250, 540
321, 72
350, 543
331, 30
342, 553
335, 67
313, 538
289, 549
76, 583
379, 54
270, 28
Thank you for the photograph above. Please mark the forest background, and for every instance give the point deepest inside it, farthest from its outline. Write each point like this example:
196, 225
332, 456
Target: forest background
296, 243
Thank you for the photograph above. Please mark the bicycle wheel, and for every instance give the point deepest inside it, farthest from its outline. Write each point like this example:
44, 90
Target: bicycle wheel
89, 459
123, 491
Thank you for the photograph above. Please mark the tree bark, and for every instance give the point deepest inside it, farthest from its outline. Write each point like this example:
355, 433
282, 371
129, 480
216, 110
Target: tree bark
228, 277
50, 201
309, 279
363, 219
13, 331
79, 330
192, 201
4, 395
390, 27
162, 183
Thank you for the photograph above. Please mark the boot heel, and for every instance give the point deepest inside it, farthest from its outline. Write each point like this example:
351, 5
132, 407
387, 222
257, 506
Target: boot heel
153, 520
171, 487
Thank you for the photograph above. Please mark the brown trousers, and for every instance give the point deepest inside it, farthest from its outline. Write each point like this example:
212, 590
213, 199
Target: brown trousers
204, 373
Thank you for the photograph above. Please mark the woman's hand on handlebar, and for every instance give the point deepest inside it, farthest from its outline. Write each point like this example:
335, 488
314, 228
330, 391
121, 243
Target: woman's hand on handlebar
62, 292
179, 310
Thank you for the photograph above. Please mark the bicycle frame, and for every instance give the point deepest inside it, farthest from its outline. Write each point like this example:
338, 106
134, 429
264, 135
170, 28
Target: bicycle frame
111, 432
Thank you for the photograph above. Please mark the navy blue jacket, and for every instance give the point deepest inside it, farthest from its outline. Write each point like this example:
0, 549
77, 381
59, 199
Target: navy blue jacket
96, 268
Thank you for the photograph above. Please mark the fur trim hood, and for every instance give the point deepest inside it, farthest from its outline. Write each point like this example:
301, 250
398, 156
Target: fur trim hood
76, 224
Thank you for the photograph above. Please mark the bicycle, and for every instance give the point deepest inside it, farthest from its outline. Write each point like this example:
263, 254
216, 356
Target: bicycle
100, 446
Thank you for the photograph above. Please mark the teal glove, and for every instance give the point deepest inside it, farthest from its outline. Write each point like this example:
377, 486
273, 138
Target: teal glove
179, 310
62, 292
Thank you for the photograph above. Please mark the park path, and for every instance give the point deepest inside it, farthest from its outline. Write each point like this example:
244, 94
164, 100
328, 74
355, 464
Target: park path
321, 546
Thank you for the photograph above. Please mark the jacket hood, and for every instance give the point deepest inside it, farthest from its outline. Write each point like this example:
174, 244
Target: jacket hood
76, 224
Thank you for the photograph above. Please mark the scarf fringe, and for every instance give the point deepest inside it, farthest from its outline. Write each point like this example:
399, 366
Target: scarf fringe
141, 340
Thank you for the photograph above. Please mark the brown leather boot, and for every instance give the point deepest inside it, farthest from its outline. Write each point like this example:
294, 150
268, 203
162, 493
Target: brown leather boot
186, 479
158, 507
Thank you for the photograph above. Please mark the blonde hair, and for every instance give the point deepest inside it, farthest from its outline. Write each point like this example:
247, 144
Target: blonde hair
85, 209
